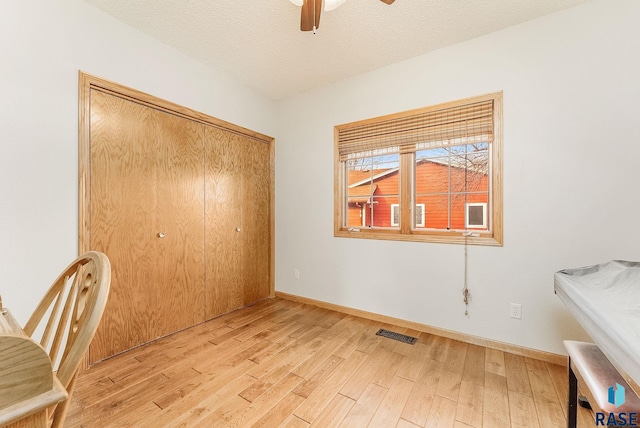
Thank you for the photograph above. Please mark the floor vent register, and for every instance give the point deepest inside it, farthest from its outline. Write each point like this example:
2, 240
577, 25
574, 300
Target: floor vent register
396, 336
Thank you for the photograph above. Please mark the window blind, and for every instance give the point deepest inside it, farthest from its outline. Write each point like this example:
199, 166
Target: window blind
406, 133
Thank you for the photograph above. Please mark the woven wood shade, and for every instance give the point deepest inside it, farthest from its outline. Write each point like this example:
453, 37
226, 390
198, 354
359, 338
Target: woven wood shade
446, 127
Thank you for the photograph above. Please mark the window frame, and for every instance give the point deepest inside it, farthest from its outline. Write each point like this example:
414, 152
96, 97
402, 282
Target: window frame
406, 230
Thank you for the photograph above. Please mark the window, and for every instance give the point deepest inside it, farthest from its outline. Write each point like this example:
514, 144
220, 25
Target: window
432, 174
395, 215
476, 215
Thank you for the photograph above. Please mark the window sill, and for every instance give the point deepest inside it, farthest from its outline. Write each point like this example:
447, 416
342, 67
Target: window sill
453, 237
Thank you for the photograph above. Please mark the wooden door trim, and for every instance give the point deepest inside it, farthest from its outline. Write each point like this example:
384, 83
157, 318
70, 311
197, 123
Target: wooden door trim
87, 82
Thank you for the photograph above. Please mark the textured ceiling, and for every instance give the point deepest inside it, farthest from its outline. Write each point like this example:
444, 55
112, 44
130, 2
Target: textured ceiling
259, 41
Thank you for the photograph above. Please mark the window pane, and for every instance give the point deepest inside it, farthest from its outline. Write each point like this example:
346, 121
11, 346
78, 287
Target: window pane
470, 170
476, 204
420, 215
373, 186
379, 213
436, 212
355, 212
458, 204
451, 177
395, 215
475, 214
432, 173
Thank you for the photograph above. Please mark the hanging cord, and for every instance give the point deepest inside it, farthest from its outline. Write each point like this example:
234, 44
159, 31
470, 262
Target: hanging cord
314, 16
466, 294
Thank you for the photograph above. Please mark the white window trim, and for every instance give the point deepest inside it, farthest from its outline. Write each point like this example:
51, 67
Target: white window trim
484, 215
423, 217
397, 206
393, 208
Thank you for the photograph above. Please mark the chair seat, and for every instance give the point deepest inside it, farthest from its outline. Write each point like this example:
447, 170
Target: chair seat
598, 374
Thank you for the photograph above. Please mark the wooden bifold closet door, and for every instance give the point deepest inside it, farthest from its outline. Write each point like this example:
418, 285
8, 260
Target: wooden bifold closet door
183, 211
147, 215
237, 221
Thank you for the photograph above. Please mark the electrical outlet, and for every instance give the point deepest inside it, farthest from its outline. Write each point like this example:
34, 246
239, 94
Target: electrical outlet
516, 311
296, 273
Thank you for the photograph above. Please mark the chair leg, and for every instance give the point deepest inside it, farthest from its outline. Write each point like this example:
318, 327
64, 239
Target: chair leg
572, 413
60, 413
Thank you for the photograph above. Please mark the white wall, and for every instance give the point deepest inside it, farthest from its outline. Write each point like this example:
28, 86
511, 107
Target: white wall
43, 44
571, 162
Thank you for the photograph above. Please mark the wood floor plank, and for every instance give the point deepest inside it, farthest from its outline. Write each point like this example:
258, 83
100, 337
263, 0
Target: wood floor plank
560, 379
403, 423
412, 363
278, 332
380, 368
289, 357
142, 417
474, 365
317, 377
495, 406
456, 356
264, 402
438, 348
278, 414
281, 363
548, 405
453, 368
336, 411
494, 362
517, 375
207, 397
470, 402
442, 413
120, 405
522, 410
294, 422
389, 411
183, 381
363, 410
220, 415
416, 410
358, 331
324, 393
320, 355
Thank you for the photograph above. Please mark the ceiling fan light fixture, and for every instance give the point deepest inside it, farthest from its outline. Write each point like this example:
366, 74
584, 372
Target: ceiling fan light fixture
332, 4
328, 4
312, 9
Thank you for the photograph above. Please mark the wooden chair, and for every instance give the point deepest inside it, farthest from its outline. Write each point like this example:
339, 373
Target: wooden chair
68, 317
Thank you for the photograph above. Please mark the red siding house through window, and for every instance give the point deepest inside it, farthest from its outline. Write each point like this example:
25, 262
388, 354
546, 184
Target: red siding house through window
442, 192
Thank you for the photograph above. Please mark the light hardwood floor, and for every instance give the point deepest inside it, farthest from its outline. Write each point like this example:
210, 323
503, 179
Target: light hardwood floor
280, 363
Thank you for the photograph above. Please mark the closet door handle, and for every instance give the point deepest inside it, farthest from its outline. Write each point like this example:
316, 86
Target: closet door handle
161, 235
238, 229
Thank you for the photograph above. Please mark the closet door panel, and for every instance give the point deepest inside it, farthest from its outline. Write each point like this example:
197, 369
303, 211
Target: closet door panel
147, 215
123, 136
179, 224
224, 270
256, 220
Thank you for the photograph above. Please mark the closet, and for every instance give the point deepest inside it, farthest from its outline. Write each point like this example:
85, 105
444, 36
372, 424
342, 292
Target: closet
181, 203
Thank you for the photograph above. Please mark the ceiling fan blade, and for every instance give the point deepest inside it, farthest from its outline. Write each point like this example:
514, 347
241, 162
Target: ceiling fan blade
310, 14
388, 1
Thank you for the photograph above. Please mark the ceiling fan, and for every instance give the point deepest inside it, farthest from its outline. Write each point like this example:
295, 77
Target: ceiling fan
311, 10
